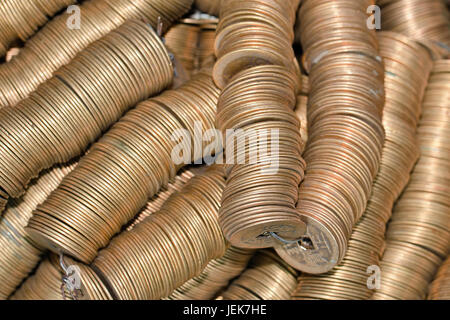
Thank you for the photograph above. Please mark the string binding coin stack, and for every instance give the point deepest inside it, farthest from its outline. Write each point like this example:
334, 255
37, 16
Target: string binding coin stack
46, 283
346, 134
126, 167
215, 277
19, 254
72, 109
21, 18
418, 236
170, 246
407, 66
267, 278
440, 287
56, 45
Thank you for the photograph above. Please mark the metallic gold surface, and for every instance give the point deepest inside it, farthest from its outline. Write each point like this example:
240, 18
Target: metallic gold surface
128, 165
427, 21
418, 236
215, 277
345, 137
19, 255
46, 283
55, 44
170, 246
440, 287
71, 110
256, 203
266, 278
20, 19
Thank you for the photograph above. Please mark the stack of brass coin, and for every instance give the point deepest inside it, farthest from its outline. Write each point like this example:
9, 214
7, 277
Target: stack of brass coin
266, 166
157, 201
72, 109
330, 27
252, 33
171, 246
182, 40
19, 254
348, 280
418, 236
407, 66
211, 7
56, 44
46, 283
126, 167
267, 278
345, 130
215, 277
19, 19
425, 20
440, 287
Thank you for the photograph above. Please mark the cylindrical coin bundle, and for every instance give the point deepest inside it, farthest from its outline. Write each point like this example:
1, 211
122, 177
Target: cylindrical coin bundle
216, 276
46, 283
330, 27
71, 110
342, 155
58, 42
158, 200
169, 247
418, 236
440, 287
424, 20
264, 157
407, 66
19, 19
252, 33
126, 167
19, 254
211, 7
267, 278
345, 130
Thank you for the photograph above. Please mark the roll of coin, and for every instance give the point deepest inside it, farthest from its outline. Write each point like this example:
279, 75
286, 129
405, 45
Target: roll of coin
58, 42
47, 282
253, 33
19, 254
170, 246
440, 287
20, 19
345, 133
267, 278
71, 110
426, 21
262, 185
418, 236
127, 166
215, 277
